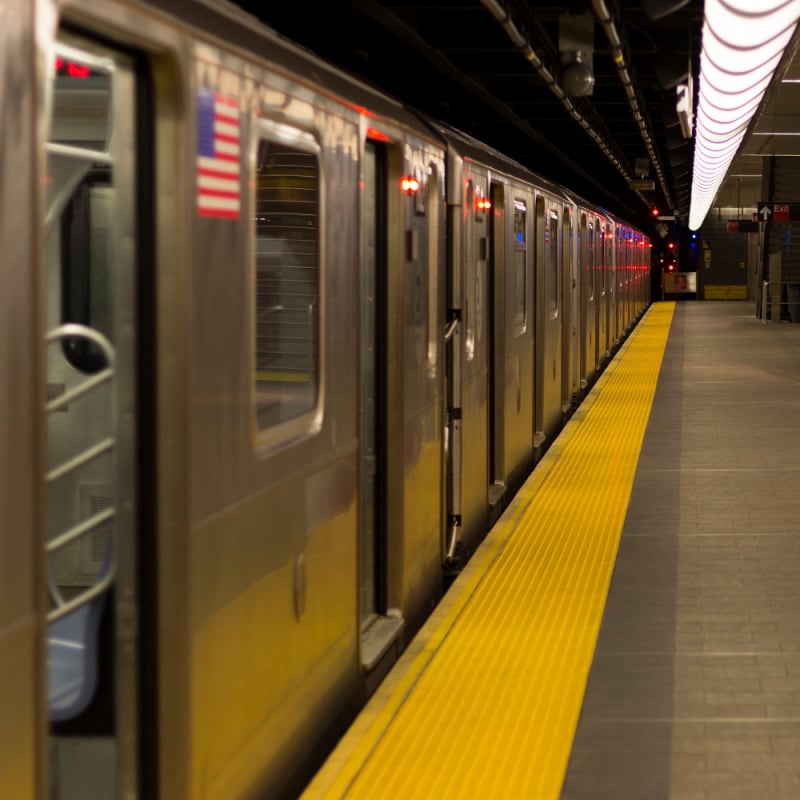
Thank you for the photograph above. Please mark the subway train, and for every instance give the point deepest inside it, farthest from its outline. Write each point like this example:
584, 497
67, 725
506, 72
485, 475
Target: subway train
276, 352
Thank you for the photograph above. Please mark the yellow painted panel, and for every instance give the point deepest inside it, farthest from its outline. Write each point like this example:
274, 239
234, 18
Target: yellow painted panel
725, 292
486, 699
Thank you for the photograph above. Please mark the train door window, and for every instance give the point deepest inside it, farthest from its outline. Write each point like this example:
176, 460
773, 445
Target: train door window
520, 259
610, 260
81, 197
601, 260
469, 272
590, 272
432, 210
551, 241
286, 376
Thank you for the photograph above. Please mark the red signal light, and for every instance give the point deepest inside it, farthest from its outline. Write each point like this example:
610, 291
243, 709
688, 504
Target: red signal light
654, 212
409, 184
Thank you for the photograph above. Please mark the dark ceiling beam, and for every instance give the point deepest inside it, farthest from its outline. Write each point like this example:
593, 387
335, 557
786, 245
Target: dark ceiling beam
398, 28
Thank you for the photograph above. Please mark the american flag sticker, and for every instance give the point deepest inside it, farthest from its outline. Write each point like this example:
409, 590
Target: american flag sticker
218, 156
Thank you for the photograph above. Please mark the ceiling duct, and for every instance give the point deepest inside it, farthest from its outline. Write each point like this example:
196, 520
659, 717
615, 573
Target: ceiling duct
658, 9
671, 69
502, 15
679, 156
618, 54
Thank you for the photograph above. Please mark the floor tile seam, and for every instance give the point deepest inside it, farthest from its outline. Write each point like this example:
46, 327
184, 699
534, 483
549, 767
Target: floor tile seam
603, 653
700, 534
710, 719
768, 468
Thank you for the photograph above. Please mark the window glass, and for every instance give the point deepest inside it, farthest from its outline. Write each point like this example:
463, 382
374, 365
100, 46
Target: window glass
551, 276
469, 274
590, 260
432, 205
80, 201
601, 260
520, 250
286, 371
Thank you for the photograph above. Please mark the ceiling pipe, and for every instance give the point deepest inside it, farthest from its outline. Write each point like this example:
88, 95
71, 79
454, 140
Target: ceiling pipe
603, 14
502, 15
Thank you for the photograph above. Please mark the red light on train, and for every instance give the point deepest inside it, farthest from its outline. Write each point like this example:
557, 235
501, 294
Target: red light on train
483, 204
409, 184
77, 70
374, 133
71, 69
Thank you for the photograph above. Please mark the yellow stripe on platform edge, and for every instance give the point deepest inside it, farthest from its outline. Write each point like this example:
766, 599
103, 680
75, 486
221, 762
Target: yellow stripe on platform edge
488, 708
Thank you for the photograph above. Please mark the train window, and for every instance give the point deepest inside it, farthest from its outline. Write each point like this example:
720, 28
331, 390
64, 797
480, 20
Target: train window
432, 204
86, 269
81, 102
551, 276
80, 201
601, 260
470, 271
590, 274
520, 257
287, 278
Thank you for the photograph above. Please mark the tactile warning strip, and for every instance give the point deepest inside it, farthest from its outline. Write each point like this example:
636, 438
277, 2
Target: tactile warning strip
485, 701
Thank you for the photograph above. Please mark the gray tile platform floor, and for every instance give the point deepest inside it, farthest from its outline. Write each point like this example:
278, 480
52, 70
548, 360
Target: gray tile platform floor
694, 692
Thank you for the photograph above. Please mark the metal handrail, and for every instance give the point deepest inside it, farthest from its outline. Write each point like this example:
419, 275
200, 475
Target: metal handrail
772, 300
72, 534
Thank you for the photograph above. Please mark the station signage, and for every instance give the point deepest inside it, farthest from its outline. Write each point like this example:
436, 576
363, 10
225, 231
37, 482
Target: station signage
778, 212
742, 226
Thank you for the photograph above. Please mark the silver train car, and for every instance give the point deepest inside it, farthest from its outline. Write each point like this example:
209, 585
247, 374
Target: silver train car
276, 352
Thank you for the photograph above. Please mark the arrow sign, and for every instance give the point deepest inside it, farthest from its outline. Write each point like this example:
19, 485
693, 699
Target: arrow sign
778, 212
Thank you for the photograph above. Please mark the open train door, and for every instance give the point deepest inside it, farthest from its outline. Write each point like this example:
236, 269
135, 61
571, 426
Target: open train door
95, 434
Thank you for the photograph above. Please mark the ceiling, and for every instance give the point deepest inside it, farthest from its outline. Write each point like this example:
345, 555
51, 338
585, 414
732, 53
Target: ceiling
775, 131
488, 67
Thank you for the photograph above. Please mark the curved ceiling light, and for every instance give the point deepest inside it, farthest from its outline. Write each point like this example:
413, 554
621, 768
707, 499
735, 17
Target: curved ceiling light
743, 42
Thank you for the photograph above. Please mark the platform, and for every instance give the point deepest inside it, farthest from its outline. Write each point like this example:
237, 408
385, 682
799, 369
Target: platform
631, 626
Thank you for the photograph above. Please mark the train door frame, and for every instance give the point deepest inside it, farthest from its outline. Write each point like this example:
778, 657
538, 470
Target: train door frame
497, 341
129, 366
379, 469
23, 751
591, 251
612, 285
539, 221
602, 304
567, 311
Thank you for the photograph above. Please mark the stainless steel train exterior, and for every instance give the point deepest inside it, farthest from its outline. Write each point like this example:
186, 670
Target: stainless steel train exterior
276, 352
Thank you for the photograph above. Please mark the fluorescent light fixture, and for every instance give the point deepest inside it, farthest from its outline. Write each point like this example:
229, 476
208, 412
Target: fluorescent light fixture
743, 42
